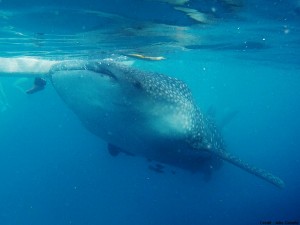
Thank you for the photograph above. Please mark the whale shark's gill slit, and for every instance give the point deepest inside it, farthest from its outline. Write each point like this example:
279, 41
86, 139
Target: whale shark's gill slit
137, 84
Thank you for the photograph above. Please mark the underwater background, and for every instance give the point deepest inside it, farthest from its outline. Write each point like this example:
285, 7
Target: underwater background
236, 56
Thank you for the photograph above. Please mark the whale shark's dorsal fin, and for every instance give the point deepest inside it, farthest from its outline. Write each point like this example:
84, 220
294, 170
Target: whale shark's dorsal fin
250, 169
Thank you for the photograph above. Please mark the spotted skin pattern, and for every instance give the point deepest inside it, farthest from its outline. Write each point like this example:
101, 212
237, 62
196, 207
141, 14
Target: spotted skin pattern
171, 95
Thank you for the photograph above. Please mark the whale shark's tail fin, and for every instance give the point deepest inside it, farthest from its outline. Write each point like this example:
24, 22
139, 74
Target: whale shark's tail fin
251, 169
210, 140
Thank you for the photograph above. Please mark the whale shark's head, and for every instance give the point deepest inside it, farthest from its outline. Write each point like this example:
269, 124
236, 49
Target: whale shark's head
118, 102
83, 85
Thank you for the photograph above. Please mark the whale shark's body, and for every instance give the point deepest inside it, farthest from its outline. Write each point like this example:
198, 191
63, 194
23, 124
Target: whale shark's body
142, 113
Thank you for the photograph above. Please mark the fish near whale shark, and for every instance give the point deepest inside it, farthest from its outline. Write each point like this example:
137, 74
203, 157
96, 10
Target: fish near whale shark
143, 113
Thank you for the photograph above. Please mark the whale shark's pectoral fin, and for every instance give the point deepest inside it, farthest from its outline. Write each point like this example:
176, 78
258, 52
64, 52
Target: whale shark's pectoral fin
38, 85
115, 151
158, 168
250, 169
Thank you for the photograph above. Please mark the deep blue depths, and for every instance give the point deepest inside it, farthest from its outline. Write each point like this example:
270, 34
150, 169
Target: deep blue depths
53, 171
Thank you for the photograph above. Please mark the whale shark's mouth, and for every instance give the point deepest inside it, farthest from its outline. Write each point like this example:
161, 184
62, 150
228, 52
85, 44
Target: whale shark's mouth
97, 67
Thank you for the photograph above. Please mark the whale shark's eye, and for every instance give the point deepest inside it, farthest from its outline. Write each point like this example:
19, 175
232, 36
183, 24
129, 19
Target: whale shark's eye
137, 84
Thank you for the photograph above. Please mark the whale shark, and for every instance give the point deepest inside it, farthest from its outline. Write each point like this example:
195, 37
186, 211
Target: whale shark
144, 114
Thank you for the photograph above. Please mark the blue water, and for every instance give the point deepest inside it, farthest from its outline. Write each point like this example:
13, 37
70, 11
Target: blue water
246, 58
